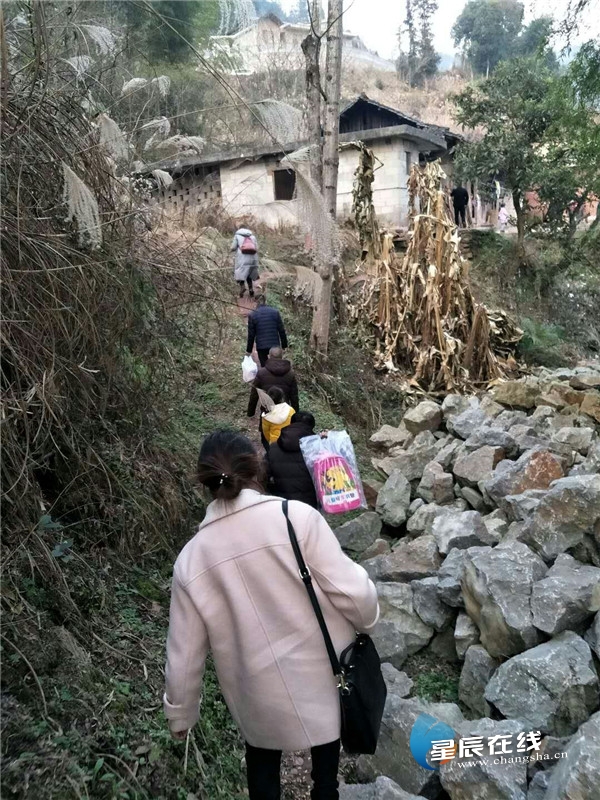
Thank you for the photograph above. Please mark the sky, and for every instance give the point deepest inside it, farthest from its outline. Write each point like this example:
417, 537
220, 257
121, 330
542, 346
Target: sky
377, 21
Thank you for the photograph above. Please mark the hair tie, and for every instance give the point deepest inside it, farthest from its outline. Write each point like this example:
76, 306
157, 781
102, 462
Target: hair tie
224, 478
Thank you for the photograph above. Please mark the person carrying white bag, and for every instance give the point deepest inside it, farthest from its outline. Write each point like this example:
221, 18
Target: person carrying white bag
249, 369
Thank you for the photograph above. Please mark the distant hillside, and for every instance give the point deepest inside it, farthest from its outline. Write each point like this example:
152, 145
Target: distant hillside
431, 102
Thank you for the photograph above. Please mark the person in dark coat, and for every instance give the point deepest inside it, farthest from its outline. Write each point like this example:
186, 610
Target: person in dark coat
288, 474
266, 329
276, 372
460, 200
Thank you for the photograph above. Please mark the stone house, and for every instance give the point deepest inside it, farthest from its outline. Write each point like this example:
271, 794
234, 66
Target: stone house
253, 180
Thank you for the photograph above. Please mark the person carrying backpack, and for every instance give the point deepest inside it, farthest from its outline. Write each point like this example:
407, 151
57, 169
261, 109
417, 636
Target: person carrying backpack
245, 270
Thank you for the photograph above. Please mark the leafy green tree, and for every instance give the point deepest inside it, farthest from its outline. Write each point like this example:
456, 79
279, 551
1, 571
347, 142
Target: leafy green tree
513, 108
535, 40
541, 134
420, 61
568, 170
487, 30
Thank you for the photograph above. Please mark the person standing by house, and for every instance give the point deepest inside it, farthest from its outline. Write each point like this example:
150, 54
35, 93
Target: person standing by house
245, 269
502, 218
236, 592
460, 200
276, 372
266, 329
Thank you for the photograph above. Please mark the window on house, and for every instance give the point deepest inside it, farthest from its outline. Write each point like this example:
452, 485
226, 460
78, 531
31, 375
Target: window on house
408, 155
284, 184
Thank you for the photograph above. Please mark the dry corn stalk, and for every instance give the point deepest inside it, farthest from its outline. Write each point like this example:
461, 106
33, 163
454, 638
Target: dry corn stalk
422, 309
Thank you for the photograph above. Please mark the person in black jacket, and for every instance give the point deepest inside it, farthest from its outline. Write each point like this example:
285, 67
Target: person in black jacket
288, 474
460, 200
276, 372
265, 327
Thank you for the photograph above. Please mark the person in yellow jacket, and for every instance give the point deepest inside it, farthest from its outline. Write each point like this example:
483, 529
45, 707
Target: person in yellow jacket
276, 418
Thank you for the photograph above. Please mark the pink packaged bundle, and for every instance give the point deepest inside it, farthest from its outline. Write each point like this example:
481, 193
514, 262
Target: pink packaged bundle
333, 467
336, 487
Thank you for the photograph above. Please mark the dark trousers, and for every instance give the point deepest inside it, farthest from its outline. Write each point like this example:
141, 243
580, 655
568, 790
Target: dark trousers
460, 211
250, 285
263, 355
264, 779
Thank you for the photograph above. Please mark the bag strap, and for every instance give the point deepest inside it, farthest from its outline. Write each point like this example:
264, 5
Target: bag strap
307, 580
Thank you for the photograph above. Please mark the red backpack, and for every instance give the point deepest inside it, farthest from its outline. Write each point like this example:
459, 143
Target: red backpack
248, 246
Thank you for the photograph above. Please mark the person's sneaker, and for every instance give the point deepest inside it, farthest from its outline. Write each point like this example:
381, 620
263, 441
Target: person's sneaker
242, 292
251, 292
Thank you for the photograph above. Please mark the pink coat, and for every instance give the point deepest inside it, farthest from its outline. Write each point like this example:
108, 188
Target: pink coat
237, 591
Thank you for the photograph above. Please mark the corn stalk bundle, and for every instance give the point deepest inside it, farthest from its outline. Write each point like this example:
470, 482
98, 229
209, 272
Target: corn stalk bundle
365, 218
421, 307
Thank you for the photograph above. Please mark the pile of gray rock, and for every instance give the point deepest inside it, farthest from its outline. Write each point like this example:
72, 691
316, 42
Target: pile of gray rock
484, 543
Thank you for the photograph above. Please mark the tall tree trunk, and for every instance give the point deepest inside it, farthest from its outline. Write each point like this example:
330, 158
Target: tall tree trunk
319, 336
520, 212
311, 47
333, 81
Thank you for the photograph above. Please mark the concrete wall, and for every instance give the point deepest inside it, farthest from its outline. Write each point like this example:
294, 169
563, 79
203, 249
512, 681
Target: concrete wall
390, 195
249, 189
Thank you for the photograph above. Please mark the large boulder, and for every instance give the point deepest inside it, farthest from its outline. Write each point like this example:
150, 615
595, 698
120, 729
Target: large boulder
517, 394
476, 673
535, 469
478, 465
412, 461
455, 404
450, 576
538, 786
400, 631
436, 486
567, 597
394, 757
423, 518
577, 777
410, 560
464, 424
578, 439
585, 381
568, 511
591, 405
480, 776
497, 524
393, 500
508, 419
358, 534
493, 437
496, 587
380, 547
552, 687
382, 789
466, 634
460, 530
388, 436
428, 605
520, 507
397, 682
427, 416
592, 636
449, 452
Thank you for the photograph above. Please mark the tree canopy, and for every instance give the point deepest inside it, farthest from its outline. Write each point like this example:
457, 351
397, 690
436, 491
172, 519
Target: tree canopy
540, 132
491, 31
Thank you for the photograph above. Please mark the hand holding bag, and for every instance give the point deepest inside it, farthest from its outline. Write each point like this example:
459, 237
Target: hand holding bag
361, 686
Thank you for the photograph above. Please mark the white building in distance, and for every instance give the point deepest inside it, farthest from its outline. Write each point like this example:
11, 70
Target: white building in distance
268, 40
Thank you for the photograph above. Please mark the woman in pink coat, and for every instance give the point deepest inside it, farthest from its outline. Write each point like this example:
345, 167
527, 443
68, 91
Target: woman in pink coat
237, 592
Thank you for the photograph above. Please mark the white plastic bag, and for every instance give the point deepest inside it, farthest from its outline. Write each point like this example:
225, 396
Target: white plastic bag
249, 369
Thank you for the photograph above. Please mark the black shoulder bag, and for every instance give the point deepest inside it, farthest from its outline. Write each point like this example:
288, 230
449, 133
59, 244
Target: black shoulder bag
358, 672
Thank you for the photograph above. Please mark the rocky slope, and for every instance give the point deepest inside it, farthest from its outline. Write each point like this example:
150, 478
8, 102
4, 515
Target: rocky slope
484, 543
